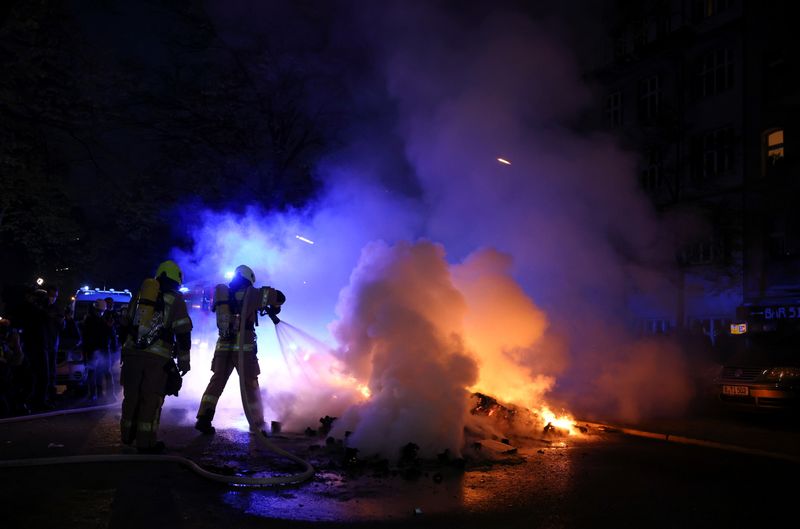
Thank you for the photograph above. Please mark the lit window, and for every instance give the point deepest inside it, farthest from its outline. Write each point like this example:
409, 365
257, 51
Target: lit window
775, 146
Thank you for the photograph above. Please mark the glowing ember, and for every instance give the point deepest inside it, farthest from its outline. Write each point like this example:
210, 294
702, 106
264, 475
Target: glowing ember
503, 161
309, 241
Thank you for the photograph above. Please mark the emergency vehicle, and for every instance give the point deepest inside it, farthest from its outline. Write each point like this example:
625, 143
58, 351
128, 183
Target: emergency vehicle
71, 368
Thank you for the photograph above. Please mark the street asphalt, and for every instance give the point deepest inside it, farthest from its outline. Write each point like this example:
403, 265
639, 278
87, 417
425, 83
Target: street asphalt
601, 478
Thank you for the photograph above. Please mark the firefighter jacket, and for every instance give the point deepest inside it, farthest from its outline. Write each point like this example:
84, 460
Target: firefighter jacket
229, 321
173, 337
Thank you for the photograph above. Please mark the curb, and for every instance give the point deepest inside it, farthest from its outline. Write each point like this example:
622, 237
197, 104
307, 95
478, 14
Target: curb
670, 438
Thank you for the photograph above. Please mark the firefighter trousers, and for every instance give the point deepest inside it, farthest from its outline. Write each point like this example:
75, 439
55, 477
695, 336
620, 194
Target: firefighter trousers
144, 380
222, 366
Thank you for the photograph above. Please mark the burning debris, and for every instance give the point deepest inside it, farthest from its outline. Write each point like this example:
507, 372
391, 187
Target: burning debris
549, 429
522, 421
327, 423
489, 407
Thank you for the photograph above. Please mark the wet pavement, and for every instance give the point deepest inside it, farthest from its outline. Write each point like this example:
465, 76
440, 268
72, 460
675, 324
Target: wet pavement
598, 479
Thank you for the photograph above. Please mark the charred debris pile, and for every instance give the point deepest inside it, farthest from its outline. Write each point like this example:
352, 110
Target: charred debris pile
493, 437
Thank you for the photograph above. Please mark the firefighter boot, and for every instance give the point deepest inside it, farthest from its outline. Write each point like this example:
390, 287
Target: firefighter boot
203, 424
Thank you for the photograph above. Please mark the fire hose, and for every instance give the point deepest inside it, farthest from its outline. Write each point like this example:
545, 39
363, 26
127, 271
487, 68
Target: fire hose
260, 435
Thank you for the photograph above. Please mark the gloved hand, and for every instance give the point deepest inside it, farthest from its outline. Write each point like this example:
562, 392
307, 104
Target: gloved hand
183, 366
273, 311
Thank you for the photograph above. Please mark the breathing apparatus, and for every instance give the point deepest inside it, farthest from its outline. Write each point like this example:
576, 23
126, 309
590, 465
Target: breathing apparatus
143, 319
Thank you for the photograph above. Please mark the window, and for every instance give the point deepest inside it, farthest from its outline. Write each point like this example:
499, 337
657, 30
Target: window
783, 239
702, 9
777, 83
712, 154
716, 73
614, 110
620, 48
651, 170
649, 99
640, 31
775, 147
701, 253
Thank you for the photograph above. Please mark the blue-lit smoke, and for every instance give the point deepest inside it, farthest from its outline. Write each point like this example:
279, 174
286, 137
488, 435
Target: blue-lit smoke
310, 275
574, 235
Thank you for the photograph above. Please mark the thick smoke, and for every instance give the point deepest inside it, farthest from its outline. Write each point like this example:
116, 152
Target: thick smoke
522, 293
582, 236
400, 327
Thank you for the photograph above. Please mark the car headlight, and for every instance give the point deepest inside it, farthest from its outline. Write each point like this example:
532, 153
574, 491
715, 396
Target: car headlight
782, 373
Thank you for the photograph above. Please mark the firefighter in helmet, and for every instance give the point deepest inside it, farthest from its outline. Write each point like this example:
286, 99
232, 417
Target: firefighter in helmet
237, 306
160, 330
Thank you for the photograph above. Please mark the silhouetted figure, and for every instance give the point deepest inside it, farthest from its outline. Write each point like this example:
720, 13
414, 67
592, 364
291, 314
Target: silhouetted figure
35, 329
95, 346
55, 323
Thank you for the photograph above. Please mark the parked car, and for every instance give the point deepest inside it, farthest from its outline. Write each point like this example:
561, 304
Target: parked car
763, 368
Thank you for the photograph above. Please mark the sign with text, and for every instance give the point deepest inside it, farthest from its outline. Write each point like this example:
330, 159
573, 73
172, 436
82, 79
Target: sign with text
778, 312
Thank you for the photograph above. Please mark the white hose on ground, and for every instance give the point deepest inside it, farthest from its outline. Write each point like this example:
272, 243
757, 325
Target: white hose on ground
292, 479
143, 458
56, 413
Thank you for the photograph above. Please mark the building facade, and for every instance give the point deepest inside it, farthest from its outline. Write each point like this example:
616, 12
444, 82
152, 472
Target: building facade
705, 92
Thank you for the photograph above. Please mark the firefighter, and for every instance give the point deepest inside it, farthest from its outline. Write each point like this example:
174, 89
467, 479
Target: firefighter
160, 329
237, 306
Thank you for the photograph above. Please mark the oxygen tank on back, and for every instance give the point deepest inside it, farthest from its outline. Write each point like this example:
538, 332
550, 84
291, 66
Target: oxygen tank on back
223, 310
143, 317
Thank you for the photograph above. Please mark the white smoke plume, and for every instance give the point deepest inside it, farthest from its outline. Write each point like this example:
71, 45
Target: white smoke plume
523, 288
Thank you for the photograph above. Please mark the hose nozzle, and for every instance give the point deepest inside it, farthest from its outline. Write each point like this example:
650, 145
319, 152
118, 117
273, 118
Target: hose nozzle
272, 312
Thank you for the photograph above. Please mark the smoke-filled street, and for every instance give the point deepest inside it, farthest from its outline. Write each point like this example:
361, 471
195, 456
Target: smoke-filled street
443, 263
601, 479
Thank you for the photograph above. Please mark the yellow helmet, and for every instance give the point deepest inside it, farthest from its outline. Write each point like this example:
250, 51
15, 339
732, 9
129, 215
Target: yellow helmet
247, 273
171, 270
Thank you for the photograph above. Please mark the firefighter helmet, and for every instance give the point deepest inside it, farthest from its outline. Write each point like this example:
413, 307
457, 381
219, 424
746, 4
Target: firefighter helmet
171, 270
247, 273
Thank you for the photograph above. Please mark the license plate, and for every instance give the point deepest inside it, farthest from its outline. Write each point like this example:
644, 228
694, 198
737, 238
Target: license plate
736, 391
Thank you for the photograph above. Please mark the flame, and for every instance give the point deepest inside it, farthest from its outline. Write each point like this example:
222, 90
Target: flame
339, 379
563, 422
504, 161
